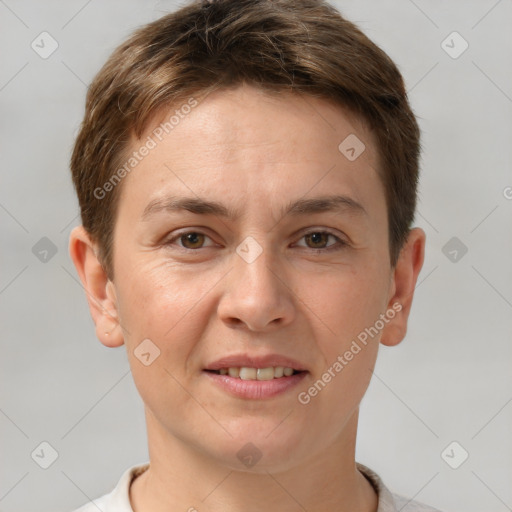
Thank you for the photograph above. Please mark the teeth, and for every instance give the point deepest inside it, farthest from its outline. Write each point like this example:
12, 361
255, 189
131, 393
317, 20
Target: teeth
265, 373
246, 373
234, 372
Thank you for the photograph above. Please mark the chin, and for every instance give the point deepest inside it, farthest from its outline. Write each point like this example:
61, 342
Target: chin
262, 445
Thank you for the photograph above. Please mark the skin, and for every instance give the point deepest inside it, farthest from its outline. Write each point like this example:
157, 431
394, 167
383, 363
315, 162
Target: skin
253, 152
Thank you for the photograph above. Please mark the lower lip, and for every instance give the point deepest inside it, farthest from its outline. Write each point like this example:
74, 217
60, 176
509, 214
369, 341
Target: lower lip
255, 389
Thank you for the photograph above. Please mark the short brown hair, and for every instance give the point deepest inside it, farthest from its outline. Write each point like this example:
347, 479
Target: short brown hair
302, 46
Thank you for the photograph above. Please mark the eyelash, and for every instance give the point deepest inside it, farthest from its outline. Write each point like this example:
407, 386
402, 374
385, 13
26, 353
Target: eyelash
341, 244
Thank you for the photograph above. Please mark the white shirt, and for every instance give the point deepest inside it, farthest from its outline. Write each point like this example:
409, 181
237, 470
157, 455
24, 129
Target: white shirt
118, 500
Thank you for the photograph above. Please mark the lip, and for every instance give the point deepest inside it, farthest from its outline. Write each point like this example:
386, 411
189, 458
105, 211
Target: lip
255, 389
239, 360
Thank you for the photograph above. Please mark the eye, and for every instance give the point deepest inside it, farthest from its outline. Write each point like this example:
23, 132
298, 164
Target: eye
190, 239
193, 240
319, 239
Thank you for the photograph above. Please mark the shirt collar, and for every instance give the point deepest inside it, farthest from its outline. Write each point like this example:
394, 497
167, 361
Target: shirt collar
386, 501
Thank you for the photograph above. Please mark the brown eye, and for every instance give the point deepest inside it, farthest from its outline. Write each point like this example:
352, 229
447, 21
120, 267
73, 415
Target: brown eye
318, 239
188, 241
192, 240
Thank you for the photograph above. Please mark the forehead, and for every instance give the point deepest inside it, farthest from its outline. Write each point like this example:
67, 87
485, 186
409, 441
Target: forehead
278, 121
245, 145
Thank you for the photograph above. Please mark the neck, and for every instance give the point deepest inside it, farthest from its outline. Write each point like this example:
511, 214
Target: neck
182, 479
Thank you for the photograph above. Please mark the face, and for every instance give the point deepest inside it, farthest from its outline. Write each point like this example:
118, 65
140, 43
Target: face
269, 280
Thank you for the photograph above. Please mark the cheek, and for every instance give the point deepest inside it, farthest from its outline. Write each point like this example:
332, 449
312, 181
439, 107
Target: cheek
350, 308
156, 297
336, 394
156, 309
347, 302
347, 309
166, 305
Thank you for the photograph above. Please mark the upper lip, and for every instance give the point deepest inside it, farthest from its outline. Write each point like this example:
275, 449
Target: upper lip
246, 360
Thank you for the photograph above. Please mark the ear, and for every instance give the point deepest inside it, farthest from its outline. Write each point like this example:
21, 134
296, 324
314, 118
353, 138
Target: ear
100, 291
403, 283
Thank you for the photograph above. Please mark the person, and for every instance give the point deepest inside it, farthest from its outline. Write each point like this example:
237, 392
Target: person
247, 176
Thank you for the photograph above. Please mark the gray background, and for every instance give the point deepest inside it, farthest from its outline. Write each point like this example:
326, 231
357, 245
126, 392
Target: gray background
450, 379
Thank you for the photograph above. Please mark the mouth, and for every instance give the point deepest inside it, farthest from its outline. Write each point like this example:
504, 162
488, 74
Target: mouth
260, 374
249, 383
257, 377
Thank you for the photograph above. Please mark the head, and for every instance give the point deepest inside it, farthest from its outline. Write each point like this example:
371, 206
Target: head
213, 143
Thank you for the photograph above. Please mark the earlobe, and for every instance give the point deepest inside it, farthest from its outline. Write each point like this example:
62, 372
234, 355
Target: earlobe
108, 331
100, 291
403, 284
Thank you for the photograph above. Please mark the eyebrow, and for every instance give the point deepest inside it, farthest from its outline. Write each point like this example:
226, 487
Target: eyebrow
200, 206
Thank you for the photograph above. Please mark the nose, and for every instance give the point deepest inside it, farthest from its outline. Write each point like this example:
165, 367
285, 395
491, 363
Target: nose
257, 292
